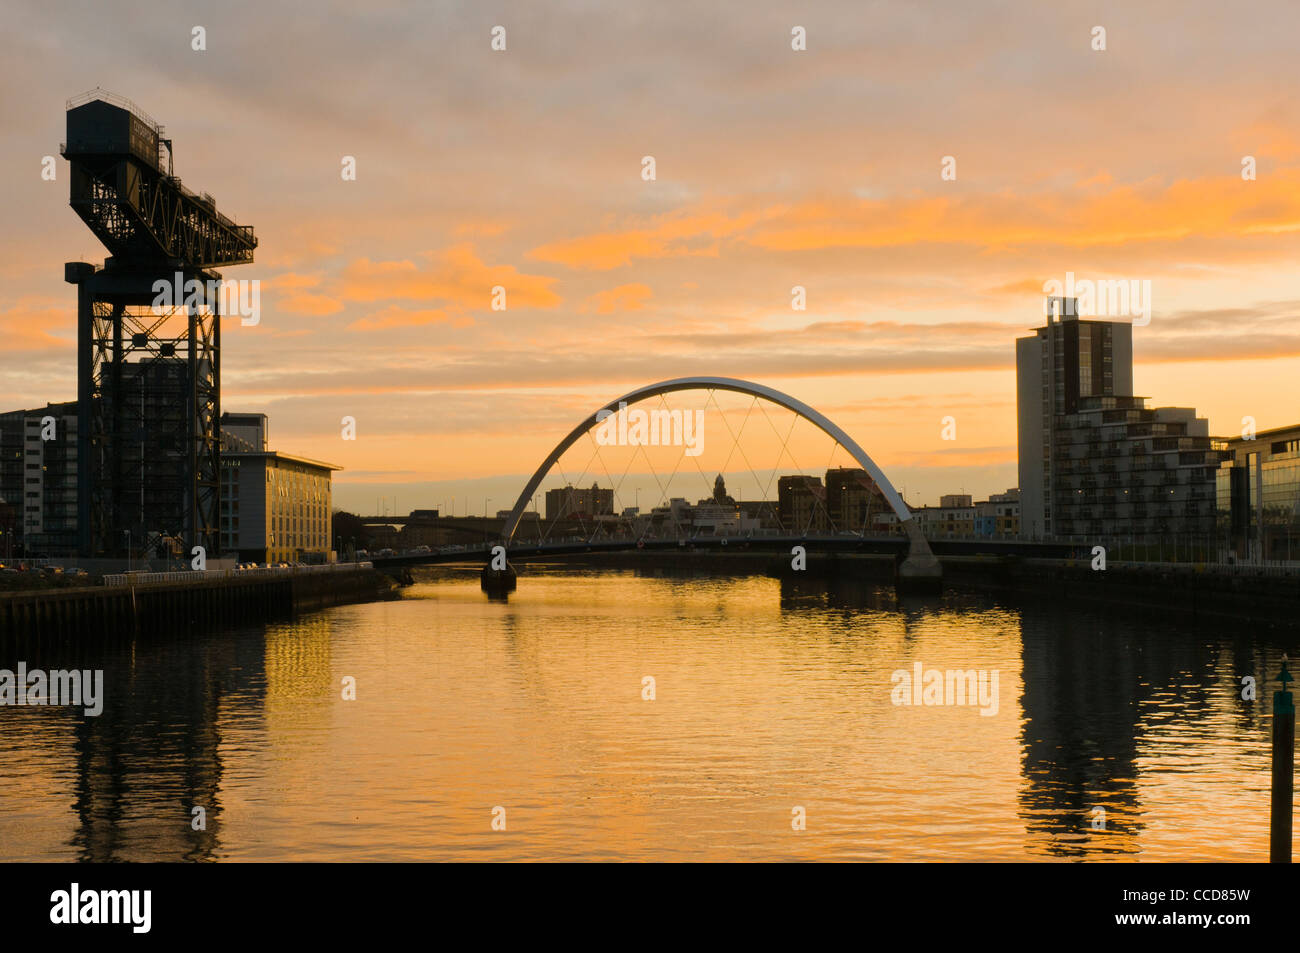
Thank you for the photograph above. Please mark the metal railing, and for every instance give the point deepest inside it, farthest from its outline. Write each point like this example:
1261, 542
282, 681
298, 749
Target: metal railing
210, 575
120, 101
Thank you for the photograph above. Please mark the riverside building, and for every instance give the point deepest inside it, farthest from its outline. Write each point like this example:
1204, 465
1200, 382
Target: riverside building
1094, 460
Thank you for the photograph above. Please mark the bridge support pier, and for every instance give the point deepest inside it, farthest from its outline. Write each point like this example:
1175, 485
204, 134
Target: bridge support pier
498, 582
920, 571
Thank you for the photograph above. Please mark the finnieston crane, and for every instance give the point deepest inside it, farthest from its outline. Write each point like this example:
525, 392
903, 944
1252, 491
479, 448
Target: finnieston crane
149, 377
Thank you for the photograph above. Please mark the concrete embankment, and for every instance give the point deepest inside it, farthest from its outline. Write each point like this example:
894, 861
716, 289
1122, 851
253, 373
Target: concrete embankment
204, 603
1188, 589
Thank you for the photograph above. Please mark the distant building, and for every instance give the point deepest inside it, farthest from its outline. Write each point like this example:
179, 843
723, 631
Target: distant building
139, 472
959, 514
953, 517
136, 472
1258, 495
853, 500
572, 503
38, 480
801, 504
720, 514
274, 507
999, 515
247, 431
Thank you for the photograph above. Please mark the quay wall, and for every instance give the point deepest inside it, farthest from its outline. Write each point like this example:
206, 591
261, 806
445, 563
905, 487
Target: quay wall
1237, 593
205, 603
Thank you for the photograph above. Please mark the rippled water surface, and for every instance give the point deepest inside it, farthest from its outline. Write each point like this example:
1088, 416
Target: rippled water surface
768, 697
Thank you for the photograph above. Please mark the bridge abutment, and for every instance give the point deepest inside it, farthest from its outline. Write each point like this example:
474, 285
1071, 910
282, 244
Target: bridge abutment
920, 570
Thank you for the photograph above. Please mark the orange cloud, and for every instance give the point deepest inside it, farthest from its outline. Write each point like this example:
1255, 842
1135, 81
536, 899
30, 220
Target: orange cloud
971, 457
455, 277
481, 229
293, 296
26, 327
1223, 207
630, 297
669, 236
395, 316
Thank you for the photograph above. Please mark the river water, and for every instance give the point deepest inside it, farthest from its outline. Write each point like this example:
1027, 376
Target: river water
525, 730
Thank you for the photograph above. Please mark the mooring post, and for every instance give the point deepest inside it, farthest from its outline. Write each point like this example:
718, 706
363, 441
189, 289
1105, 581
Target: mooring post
1283, 770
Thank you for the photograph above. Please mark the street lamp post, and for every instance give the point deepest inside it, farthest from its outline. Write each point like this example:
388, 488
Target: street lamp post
127, 533
486, 501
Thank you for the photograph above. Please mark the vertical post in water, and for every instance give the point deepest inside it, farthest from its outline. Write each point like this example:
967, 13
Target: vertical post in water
1279, 850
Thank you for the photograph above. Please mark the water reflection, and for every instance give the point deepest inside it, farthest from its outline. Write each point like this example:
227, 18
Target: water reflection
771, 693
1116, 698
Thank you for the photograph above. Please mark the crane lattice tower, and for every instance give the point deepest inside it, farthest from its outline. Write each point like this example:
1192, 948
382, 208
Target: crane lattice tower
149, 365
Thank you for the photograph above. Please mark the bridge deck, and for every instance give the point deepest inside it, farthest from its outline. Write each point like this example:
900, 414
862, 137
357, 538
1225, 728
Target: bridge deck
880, 545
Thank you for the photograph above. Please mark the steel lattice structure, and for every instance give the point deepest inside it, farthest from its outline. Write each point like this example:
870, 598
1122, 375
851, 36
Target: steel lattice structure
149, 372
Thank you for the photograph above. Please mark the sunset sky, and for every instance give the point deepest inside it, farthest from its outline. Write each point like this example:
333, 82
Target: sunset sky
774, 168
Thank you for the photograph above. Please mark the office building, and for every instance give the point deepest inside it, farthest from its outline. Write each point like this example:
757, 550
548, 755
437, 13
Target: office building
953, 517
1121, 469
275, 507
1258, 495
573, 503
801, 504
1094, 459
1065, 360
38, 480
999, 515
853, 500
